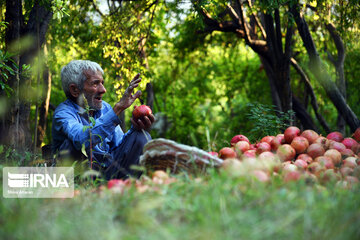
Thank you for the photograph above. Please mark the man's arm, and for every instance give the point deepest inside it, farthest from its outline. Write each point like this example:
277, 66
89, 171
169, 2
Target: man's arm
128, 99
66, 122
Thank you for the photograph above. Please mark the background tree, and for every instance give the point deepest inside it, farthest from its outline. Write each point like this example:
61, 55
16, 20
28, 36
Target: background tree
208, 80
264, 32
27, 24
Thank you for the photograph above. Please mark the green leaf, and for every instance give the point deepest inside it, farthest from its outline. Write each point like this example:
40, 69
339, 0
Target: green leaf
92, 121
83, 150
85, 128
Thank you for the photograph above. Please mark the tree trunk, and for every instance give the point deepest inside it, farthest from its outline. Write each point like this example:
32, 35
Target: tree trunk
274, 53
279, 59
274, 92
44, 108
302, 114
322, 75
17, 125
13, 134
339, 66
309, 89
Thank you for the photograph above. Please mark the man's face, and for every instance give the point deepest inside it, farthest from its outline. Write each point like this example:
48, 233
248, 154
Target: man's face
94, 89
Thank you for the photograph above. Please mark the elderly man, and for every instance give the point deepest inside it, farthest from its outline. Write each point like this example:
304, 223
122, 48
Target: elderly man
113, 152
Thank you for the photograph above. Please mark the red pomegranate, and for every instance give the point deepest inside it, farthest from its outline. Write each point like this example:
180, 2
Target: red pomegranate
347, 153
286, 152
305, 157
141, 111
250, 154
262, 147
315, 168
227, 152
267, 139
334, 155
325, 161
335, 136
242, 146
315, 150
310, 135
115, 183
292, 176
290, 133
330, 176
277, 141
238, 138
356, 148
356, 134
349, 142
325, 143
336, 145
267, 156
252, 146
350, 162
346, 171
301, 164
300, 144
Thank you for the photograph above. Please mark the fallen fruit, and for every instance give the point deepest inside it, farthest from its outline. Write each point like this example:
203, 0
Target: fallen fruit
310, 135
238, 138
227, 152
290, 133
335, 136
286, 152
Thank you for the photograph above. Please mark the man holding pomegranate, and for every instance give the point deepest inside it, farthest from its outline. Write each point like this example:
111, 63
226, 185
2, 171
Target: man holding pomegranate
84, 119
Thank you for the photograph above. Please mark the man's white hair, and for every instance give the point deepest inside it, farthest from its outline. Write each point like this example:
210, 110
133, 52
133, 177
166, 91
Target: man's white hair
73, 72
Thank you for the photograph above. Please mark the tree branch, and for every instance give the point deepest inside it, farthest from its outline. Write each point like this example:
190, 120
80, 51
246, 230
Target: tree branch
258, 23
338, 43
288, 41
243, 22
310, 90
213, 25
321, 75
271, 42
278, 35
96, 8
149, 28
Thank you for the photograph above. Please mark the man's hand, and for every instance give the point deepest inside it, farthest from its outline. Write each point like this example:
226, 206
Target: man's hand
128, 98
144, 123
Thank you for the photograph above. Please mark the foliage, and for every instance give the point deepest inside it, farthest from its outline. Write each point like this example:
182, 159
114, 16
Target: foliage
7, 67
202, 82
207, 91
267, 121
216, 207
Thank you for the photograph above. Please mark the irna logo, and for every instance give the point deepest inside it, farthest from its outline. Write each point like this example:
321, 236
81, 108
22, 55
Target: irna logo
38, 182
18, 180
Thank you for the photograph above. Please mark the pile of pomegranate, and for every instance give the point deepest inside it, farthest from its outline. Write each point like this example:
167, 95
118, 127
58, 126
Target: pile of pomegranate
295, 155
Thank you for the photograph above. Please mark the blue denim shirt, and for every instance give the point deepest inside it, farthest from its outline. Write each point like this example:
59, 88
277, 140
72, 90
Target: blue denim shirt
67, 131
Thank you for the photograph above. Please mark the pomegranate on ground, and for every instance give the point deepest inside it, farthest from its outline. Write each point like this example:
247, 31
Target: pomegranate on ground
335, 136
290, 133
310, 135
300, 144
286, 152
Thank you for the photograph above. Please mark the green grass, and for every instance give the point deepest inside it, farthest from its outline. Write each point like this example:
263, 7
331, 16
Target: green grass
218, 207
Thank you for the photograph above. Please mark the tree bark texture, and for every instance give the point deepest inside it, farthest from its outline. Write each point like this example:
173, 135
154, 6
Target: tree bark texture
274, 54
16, 124
339, 66
320, 73
44, 108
